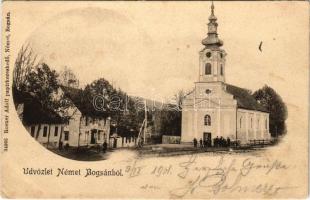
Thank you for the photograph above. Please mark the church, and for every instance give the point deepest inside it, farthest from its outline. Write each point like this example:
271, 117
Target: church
215, 108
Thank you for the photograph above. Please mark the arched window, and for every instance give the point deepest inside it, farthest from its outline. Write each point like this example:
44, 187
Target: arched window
222, 70
207, 120
208, 68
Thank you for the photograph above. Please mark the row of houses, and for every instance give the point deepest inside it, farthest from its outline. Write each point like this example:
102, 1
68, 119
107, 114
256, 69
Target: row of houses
81, 127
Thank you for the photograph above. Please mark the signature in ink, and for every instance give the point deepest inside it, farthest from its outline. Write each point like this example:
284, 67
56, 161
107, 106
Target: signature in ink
215, 180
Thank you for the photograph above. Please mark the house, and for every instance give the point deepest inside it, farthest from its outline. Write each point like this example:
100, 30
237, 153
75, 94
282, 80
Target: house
79, 126
43, 124
215, 108
85, 126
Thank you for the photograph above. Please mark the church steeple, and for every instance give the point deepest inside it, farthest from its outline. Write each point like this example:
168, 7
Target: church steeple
212, 57
212, 40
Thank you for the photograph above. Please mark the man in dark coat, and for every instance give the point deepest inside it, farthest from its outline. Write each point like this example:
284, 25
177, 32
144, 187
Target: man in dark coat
195, 142
222, 142
228, 141
104, 146
205, 143
216, 141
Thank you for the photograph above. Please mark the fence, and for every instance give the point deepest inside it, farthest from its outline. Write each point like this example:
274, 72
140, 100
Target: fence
169, 139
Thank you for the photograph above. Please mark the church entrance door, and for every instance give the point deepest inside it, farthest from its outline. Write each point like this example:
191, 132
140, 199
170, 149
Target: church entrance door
207, 137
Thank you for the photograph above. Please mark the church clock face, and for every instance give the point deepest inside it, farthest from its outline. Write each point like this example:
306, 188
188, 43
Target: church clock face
208, 54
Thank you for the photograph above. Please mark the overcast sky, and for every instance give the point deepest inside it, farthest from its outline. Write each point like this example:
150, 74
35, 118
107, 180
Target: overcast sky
152, 48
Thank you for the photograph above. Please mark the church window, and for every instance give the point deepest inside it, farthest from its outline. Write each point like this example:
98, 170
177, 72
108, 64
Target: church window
221, 54
221, 69
265, 123
208, 54
257, 123
207, 120
240, 122
208, 68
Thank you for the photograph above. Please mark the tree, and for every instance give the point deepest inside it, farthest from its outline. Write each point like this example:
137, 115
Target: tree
34, 77
25, 62
171, 115
98, 88
42, 84
179, 97
67, 78
274, 104
170, 122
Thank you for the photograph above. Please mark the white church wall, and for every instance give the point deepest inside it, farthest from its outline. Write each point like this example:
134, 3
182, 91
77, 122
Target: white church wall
242, 126
223, 123
202, 128
252, 125
228, 123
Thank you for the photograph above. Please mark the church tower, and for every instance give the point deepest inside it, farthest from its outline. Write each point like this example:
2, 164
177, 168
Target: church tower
212, 57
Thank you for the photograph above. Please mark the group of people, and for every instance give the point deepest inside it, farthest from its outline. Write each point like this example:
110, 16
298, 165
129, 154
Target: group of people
221, 142
202, 143
217, 142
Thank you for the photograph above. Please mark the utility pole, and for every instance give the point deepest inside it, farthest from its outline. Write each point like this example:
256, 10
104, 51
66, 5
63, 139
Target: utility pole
145, 125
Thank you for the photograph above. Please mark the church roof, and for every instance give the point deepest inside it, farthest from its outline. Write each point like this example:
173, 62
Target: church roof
244, 98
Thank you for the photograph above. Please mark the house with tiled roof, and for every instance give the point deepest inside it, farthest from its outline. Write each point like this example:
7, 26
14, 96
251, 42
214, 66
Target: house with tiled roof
215, 108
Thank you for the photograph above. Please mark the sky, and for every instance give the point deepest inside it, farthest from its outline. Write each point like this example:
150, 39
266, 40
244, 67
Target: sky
151, 49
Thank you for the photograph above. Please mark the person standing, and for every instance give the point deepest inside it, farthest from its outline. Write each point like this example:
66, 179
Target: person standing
104, 146
60, 145
195, 142
216, 143
228, 141
221, 141
205, 143
201, 144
